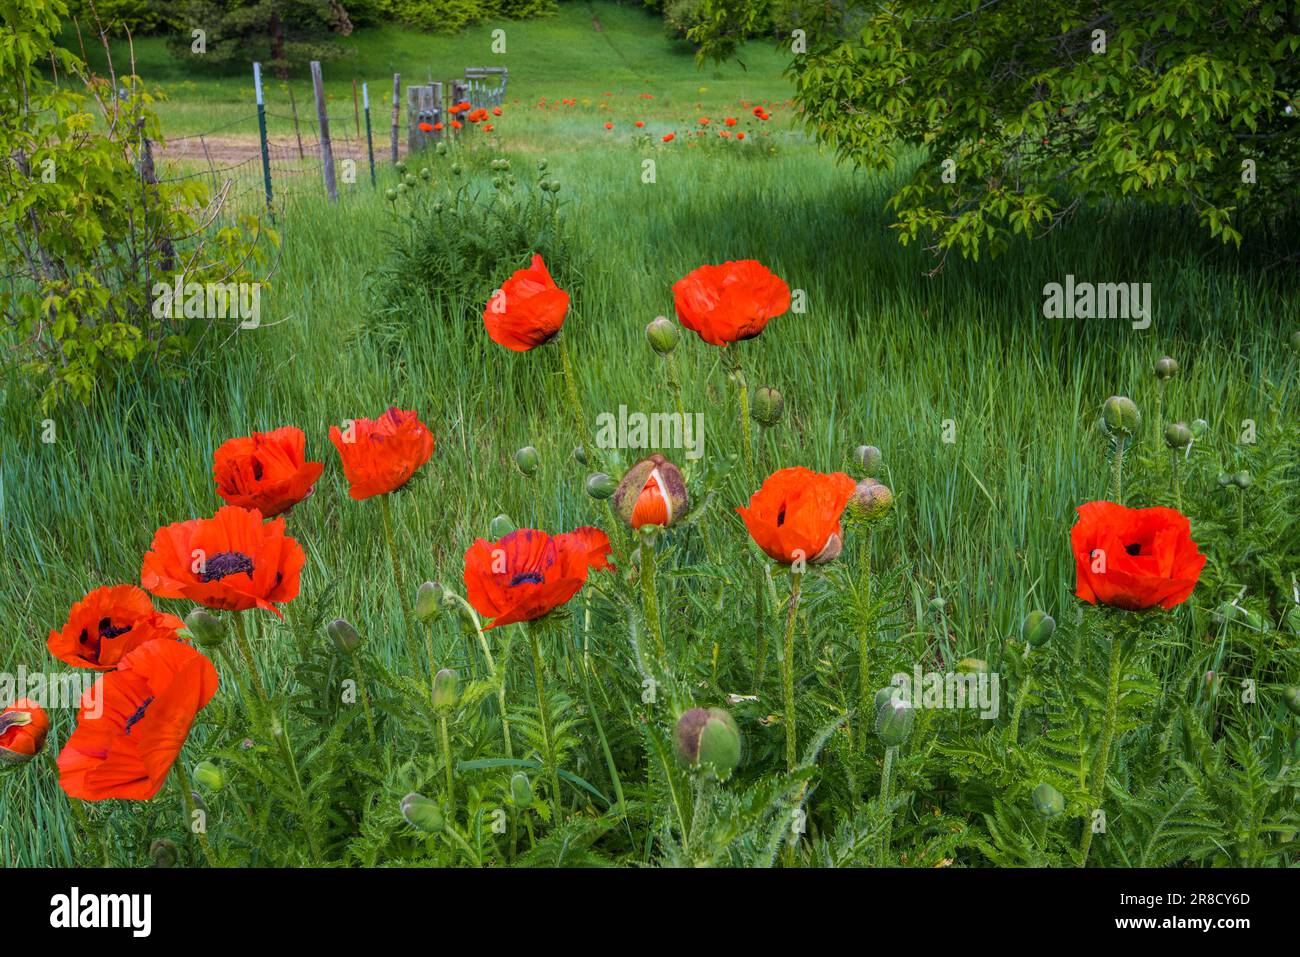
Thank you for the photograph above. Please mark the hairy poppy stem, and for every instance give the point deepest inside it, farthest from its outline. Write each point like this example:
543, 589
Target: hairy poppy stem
787, 672
865, 633
544, 711
444, 739
575, 404
886, 781
760, 626
470, 615
245, 650
397, 575
187, 798
1098, 784
1117, 471
650, 595
1178, 493
742, 386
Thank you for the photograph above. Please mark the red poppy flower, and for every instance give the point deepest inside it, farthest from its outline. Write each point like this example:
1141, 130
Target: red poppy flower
109, 623
496, 111
1134, 558
267, 471
527, 310
380, 456
438, 127
133, 722
758, 111
704, 121
528, 573
730, 121
639, 123
730, 302
723, 134
457, 124
668, 137
609, 126
232, 560
740, 135
796, 514
488, 127
426, 127
23, 727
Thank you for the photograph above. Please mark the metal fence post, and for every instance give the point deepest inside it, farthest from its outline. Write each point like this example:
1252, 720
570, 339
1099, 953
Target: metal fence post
370, 141
261, 129
323, 119
397, 93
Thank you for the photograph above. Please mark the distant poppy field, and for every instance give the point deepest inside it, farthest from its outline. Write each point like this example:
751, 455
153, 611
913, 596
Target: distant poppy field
609, 486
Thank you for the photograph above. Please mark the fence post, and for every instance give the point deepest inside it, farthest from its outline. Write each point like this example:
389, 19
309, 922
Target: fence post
370, 141
323, 119
356, 112
293, 106
397, 94
439, 116
261, 130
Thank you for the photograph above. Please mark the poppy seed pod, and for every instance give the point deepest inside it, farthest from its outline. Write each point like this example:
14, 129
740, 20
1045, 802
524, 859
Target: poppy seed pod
1242, 480
1291, 696
400, 166
870, 500
164, 853
208, 776
708, 740
500, 527
422, 813
1037, 628
1177, 435
767, 406
1166, 368
1121, 416
446, 687
652, 492
428, 602
869, 459
345, 637
521, 790
207, 629
894, 721
601, 486
663, 335
1048, 801
580, 455
527, 461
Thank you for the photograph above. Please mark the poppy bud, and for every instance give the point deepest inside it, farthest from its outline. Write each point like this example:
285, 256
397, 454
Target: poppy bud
1121, 416
208, 776
870, 500
1212, 682
894, 721
1224, 479
345, 637
1048, 801
707, 739
663, 335
164, 853
445, 689
1291, 696
206, 628
580, 455
1178, 435
541, 165
527, 460
601, 486
428, 602
441, 149
1295, 341
767, 406
886, 694
422, 813
500, 527
652, 492
457, 169
869, 459
23, 727
425, 172
1037, 628
409, 180
400, 166
1292, 619
1199, 428
1242, 480
1166, 368
390, 194
521, 790
401, 189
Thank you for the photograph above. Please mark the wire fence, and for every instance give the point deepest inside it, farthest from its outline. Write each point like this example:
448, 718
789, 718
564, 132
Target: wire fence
320, 148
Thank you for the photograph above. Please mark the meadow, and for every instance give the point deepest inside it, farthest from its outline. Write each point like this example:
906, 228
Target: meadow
986, 413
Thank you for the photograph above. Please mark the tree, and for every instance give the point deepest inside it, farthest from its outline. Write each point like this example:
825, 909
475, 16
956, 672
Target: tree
281, 33
1023, 110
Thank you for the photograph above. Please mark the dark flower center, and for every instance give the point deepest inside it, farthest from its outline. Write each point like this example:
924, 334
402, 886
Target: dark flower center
139, 713
226, 563
780, 517
257, 470
1134, 549
105, 631
519, 579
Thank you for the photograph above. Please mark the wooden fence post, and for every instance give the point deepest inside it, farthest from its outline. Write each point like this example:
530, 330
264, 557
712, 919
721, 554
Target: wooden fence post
397, 94
370, 140
323, 118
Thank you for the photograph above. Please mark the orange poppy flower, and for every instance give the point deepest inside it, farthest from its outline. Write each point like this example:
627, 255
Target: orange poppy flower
730, 121
527, 310
496, 111
107, 624
668, 137
381, 456
488, 127
23, 727
1134, 558
528, 573
609, 126
145, 710
267, 471
457, 124
740, 135
232, 560
796, 515
730, 302
639, 123
426, 127
438, 127
704, 121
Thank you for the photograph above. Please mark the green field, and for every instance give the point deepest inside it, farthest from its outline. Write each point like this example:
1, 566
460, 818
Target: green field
884, 354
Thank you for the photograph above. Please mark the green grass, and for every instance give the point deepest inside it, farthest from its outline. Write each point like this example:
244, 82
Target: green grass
884, 355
